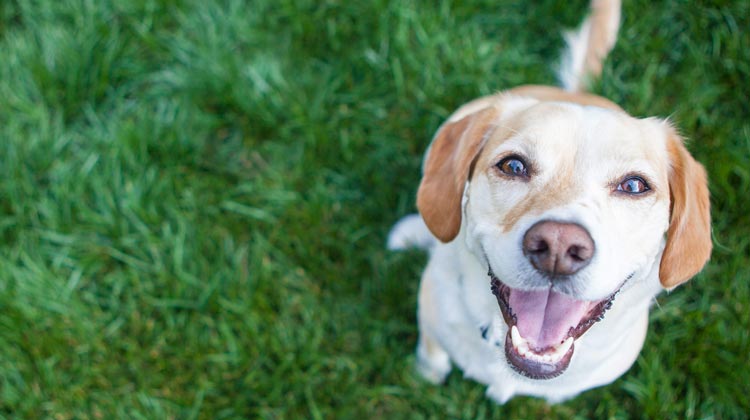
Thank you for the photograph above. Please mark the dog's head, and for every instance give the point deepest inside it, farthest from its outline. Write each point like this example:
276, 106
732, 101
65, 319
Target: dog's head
565, 202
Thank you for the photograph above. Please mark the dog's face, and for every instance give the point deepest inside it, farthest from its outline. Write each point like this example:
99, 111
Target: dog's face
573, 197
565, 203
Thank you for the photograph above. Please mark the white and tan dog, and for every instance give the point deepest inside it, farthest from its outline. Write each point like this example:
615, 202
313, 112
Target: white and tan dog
559, 219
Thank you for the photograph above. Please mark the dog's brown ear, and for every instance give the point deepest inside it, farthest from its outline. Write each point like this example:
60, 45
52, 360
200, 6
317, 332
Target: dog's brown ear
446, 170
689, 235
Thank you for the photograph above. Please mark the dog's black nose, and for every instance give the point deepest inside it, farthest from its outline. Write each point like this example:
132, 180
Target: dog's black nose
558, 248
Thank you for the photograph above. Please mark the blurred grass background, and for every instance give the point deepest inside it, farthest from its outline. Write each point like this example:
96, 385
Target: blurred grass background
194, 197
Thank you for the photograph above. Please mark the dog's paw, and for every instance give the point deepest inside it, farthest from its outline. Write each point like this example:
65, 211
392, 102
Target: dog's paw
434, 366
499, 393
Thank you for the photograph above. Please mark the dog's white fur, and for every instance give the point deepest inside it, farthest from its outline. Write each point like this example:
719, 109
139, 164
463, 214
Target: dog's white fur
582, 147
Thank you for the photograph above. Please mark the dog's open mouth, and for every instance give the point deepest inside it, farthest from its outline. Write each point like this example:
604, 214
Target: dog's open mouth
543, 326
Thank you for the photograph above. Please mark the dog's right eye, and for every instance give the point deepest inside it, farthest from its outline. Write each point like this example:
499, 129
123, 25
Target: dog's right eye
513, 166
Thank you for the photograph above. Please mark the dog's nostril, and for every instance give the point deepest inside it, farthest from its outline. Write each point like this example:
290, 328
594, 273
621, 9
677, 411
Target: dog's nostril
538, 247
579, 253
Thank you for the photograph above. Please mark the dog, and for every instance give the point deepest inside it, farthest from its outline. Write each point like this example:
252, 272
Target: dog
553, 219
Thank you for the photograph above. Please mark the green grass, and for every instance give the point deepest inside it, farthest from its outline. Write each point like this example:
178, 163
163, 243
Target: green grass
194, 197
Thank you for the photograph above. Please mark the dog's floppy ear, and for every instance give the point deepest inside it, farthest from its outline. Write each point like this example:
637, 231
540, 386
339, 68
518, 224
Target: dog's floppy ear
446, 170
689, 235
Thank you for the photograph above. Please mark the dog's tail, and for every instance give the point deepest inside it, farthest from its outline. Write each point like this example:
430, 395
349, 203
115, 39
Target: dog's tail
410, 232
588, 46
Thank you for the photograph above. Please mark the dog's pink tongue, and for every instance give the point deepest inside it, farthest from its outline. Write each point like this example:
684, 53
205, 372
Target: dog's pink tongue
544, 317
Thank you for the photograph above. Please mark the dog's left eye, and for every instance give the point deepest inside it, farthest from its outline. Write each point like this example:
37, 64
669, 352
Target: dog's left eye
513, 166
633, 185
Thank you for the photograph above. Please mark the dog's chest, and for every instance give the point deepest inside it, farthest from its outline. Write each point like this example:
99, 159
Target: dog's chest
475, 290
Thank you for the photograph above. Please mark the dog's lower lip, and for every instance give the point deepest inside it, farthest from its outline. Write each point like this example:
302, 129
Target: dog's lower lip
549, 362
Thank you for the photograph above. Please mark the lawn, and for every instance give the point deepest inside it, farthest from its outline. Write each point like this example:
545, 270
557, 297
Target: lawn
195, 195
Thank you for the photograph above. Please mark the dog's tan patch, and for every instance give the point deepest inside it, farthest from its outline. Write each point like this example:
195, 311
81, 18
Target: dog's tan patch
559, 190
605, 19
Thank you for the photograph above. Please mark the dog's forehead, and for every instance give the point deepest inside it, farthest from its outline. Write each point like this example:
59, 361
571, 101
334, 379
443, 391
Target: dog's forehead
552, 131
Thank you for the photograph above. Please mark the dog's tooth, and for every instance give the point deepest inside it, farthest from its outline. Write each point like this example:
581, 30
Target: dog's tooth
520, 344
566, 345
516, 338
561, 350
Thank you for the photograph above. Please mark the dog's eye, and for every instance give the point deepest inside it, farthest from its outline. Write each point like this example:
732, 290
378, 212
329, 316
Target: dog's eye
633, 185
513, 166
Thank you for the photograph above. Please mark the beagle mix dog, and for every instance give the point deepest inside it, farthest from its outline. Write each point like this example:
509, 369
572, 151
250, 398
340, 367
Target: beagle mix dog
553, 219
